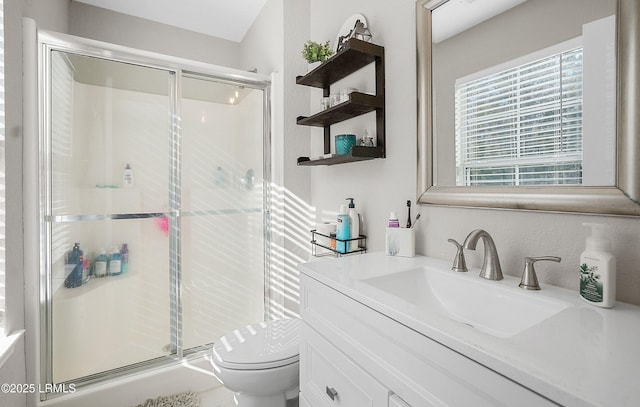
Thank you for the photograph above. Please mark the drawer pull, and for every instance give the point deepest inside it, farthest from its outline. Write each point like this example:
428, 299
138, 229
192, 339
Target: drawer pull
332, 393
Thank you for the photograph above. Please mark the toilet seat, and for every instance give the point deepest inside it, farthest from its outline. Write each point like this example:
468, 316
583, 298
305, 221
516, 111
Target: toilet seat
264, 345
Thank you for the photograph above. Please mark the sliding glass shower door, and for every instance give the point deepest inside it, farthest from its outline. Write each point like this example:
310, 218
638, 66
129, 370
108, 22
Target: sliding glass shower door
153, 210
222, 208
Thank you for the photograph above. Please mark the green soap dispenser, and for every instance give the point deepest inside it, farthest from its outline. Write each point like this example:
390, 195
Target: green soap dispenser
598, 269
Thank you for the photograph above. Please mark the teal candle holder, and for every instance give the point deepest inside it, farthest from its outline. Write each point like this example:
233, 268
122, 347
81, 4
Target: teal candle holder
344, 143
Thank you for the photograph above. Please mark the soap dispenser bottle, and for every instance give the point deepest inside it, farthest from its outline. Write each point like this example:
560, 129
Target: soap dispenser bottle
598, 269
354, 220
343, 230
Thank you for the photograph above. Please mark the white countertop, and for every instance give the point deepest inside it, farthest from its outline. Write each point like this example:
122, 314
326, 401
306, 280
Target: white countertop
582, 356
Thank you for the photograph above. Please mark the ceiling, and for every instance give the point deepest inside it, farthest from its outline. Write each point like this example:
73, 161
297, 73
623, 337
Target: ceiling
228, 19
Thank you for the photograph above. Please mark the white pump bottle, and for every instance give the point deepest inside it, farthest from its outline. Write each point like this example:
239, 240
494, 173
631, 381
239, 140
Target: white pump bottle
598, 269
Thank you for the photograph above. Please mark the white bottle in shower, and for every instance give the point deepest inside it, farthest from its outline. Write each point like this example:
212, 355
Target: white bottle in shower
127, 177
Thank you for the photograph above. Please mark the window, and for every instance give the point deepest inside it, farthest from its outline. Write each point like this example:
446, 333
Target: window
2, 177
522, 125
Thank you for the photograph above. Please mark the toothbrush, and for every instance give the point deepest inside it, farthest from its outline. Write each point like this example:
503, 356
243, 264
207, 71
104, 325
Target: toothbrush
416, 221
409, 214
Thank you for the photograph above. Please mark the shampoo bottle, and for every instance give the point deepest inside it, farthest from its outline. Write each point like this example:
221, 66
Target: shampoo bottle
598, 269
115, 263
124, 257
343, 230
127, 177
75, 259
354, 220
100, 265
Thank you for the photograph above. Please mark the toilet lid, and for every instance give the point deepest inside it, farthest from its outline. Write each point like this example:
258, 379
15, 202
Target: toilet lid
262, 345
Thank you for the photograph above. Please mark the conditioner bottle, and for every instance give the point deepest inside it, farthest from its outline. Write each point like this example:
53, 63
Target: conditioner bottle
598, 269
343, 230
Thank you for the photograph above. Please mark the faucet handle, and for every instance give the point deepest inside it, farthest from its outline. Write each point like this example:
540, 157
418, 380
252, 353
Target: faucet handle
529, 279
459, 264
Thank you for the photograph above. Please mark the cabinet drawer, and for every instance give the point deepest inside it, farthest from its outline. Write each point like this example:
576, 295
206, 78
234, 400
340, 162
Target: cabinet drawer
328, 378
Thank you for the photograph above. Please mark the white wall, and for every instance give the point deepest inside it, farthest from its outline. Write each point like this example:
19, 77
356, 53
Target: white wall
50, 14
14, 371
380, 186
104, 25
273, 44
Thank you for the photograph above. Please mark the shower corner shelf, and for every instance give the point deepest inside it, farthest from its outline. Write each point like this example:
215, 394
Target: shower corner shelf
315, 244
355, 55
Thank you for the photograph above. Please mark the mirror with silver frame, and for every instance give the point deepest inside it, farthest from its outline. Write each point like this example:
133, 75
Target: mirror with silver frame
531, 104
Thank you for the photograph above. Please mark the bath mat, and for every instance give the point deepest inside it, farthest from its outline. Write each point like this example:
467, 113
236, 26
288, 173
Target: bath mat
175, 400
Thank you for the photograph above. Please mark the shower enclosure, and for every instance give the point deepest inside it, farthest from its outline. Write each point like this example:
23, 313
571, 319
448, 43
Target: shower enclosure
174, 253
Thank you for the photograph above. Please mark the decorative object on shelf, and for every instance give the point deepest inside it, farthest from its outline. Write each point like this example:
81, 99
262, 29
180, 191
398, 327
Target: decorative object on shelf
344, 143
313, 65
354, 27
367, 140
325, 102
345, 92
335, 100
316, 52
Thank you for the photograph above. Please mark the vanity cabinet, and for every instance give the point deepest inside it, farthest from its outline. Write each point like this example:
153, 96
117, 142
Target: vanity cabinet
355, 55
364, 358
332, 379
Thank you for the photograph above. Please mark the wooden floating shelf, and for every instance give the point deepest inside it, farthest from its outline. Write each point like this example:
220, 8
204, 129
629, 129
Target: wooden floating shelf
358, 103
358, 153
356, 54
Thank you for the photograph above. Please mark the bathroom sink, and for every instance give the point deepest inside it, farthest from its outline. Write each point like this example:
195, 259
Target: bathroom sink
498, 308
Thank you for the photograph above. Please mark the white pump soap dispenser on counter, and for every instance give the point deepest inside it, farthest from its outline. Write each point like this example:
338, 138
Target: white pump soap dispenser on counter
598, 269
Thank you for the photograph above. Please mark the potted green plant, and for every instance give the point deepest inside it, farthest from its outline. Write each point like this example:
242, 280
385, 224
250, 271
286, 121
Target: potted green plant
315, 53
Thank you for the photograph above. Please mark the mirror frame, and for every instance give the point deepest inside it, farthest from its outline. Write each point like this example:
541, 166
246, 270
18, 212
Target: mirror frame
622, 199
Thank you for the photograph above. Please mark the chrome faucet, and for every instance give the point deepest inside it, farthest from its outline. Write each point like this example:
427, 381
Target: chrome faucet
491, 269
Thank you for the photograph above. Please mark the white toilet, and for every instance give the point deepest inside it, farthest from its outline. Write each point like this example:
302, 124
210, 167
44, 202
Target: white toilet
260, 363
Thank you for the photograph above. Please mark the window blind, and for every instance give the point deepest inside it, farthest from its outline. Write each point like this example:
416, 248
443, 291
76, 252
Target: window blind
523, 125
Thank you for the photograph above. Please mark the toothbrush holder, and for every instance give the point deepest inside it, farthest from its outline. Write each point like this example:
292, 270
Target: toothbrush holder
400, 242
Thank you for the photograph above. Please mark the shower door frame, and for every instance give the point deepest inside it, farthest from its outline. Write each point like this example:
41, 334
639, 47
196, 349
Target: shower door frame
47, 42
